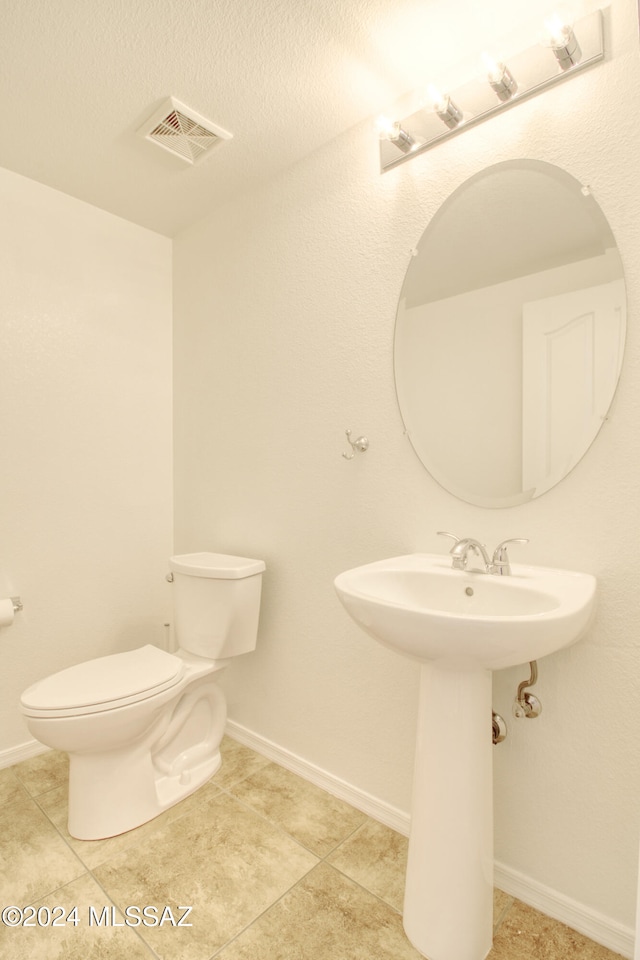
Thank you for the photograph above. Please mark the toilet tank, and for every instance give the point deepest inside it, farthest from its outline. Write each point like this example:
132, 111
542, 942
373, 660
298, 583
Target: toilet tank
216, 603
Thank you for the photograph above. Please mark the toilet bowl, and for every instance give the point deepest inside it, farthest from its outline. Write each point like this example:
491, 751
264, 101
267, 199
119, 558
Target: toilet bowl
143, 728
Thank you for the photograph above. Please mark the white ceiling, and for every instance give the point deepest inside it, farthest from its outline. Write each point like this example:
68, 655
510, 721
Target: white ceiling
79, 77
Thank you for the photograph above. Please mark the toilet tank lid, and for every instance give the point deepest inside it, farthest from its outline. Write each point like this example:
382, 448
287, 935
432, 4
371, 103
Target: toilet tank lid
117, 677
218, 566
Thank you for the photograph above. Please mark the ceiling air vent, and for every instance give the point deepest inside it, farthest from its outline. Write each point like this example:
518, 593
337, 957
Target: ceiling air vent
182, 131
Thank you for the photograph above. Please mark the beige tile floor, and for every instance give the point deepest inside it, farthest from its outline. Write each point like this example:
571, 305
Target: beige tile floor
273, 869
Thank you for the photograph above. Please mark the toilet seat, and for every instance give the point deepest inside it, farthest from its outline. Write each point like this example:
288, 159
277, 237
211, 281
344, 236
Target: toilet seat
104, 683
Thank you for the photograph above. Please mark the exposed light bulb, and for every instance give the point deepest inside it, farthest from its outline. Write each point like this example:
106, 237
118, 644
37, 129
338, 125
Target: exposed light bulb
438, 100
563, 41
557, 29
447, 110
493, 67
392, 131
500, 78
385, 127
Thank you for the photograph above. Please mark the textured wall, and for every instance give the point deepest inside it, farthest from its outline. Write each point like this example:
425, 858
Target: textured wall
285, 305
85, 434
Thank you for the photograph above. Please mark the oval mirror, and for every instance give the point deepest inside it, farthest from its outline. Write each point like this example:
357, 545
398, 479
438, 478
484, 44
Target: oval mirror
510, 333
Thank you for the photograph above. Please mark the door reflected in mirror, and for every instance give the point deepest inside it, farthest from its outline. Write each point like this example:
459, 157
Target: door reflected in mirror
510, 333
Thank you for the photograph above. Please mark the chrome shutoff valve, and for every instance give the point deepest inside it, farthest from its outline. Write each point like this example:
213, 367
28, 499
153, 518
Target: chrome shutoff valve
527, 704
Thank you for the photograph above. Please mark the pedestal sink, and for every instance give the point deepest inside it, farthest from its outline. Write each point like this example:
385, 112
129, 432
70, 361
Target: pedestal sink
460, 625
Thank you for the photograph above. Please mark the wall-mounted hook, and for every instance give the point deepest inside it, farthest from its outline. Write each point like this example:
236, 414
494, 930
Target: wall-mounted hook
361, 444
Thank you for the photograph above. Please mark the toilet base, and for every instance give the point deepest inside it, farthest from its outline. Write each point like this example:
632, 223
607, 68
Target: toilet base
114, 791
172, 789
109, 798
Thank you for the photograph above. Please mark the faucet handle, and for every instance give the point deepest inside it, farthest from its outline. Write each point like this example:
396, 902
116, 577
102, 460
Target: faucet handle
502, 547
500, 561
443, 533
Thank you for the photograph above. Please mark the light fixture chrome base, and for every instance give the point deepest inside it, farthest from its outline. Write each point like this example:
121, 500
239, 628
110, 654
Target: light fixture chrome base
504, 85
532, 71
568, 53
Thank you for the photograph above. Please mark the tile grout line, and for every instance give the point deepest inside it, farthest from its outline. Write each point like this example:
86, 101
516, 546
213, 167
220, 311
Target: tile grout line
281, 829
503, 914
240, 933
87, 871
321, 860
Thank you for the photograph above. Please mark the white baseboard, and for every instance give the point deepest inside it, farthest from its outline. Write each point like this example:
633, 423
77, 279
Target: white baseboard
383, 812
24, 751
596, 926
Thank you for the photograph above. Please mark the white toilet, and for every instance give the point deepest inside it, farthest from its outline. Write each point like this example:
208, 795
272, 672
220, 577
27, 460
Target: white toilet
143, 728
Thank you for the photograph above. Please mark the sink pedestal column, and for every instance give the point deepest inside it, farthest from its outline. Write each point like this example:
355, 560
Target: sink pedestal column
448, 906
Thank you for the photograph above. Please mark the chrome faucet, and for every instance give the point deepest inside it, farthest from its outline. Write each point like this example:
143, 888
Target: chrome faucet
460, 553
499, 565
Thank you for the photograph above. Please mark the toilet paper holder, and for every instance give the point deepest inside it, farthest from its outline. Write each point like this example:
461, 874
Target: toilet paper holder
9, 606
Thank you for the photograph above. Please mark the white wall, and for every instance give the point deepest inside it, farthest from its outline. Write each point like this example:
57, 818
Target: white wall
284, 312
85, 436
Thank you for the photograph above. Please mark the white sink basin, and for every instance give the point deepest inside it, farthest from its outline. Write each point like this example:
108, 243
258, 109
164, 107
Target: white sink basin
419, 606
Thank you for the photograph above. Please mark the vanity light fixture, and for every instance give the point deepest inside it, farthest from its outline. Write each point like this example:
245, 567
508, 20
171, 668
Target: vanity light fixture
564, 44
392, 131
568, 49
500, 78
446, 109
